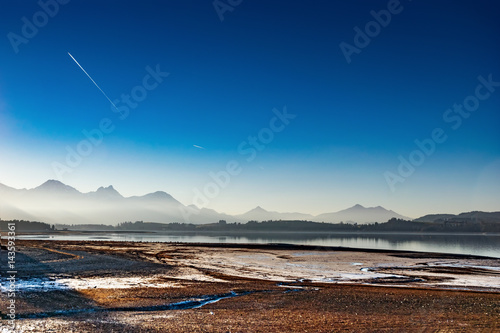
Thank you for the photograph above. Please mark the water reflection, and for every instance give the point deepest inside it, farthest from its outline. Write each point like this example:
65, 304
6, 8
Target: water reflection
476, 244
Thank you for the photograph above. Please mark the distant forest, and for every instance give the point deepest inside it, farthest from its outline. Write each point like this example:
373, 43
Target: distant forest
26, 226
222, 227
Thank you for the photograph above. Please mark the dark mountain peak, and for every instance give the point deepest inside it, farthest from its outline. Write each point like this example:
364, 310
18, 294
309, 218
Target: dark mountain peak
55, 186
52, 182
258, 209
363, 208
110, 188
109, 192
360, 214
158, 196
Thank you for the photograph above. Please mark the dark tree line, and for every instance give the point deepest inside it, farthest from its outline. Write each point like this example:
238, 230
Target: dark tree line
26, 226
393, 225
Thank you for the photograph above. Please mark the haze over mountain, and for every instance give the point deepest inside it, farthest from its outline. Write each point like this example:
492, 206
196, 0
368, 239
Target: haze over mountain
260, 214
106, 193
55, 202
361, 214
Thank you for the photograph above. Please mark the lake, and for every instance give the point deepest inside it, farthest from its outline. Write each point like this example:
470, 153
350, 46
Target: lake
473, 244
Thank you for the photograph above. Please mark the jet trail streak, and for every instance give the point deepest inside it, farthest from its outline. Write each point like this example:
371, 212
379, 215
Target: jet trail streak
91, 79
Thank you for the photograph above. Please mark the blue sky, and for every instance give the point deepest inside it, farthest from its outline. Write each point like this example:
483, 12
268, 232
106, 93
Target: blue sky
353, 120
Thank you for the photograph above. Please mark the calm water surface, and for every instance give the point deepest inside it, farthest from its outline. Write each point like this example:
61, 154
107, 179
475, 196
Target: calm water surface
476, 244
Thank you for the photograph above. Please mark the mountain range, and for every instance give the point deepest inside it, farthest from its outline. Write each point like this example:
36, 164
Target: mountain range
55, 202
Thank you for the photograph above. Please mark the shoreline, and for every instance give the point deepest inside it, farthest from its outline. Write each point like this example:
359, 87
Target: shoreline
229, 232
263, 246
479, 244
152, 252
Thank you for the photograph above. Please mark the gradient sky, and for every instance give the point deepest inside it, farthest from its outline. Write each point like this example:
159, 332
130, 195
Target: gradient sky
353, 120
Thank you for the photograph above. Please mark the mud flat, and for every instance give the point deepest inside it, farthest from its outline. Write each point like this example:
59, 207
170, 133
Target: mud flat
65, 286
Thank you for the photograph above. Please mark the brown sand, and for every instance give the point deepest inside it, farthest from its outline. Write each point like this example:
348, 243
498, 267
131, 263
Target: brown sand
276, 302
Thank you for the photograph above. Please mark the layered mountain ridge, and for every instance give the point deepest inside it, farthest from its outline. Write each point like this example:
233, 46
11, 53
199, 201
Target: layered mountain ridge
56, 202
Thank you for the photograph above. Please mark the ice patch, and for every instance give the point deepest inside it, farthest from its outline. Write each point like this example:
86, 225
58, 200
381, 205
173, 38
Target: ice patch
254, 256
47, 284
492, 268
294, 265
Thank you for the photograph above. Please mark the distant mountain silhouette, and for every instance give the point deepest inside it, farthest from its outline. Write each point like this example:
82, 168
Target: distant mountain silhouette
5, 188
360, 214
260, 214
106, 193
55, 187
55, 202
156, 197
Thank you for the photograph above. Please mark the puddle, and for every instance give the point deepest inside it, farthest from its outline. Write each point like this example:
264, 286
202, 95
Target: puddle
193, 303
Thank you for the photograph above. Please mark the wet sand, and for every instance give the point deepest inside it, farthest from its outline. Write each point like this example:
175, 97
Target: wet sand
67, 286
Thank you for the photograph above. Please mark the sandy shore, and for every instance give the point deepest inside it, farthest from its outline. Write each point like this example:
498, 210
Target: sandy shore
68, 286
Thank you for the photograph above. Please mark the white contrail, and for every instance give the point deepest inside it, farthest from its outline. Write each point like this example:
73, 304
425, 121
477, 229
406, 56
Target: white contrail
198, 146
91, 79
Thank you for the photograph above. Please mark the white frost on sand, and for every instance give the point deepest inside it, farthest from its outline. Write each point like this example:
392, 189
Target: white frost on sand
291, 266
460, 280
347, 267
47, 284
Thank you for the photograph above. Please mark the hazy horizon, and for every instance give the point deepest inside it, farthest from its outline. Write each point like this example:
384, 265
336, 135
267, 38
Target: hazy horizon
249, 209
281, 105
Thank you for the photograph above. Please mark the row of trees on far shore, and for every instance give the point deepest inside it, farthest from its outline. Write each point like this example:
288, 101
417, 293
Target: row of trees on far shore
393, 225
